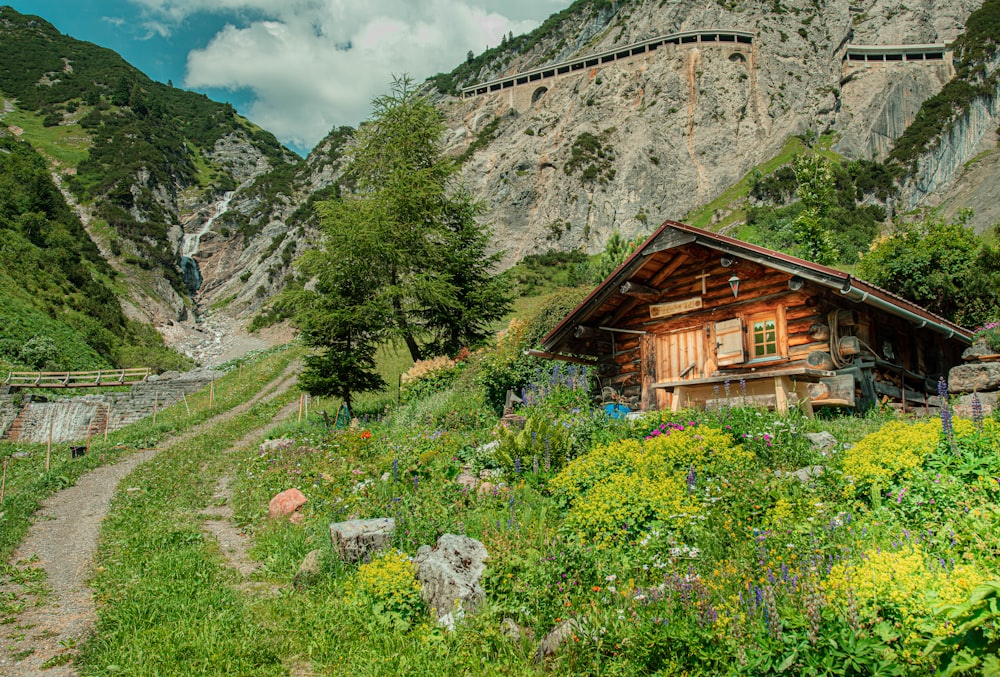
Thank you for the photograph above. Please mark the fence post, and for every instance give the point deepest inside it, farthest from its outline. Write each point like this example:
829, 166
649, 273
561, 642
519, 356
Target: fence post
48, 451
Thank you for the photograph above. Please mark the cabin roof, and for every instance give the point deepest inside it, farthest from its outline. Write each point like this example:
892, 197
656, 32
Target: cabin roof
673, 234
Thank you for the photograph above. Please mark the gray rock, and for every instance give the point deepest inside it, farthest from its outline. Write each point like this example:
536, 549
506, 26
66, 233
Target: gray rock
356, 540
274, 445
822, 441
977, 350
449, 575
803, 475
309, 570
987, 403
467, 480
512, 631
551, 642
981, 377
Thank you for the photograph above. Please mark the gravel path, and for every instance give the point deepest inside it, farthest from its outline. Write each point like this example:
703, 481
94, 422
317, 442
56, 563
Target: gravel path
63, 541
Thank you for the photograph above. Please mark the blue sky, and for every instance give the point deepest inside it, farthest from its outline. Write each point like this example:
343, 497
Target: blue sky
298, 68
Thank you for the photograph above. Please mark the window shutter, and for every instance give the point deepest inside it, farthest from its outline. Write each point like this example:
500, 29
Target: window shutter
729, 342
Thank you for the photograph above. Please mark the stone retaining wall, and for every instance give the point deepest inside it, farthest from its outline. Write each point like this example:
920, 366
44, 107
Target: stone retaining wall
979, 375
25, 418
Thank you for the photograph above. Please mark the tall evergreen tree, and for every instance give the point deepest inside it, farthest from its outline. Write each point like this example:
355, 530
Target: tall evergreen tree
403, 256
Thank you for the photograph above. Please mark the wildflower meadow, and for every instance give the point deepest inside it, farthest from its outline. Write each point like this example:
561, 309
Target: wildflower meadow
698, 543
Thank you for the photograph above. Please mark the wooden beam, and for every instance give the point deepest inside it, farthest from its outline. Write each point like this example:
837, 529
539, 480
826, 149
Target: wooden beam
556, 356
640, 291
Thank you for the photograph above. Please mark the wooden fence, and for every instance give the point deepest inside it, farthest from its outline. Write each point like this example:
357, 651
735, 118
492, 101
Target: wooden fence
76, 379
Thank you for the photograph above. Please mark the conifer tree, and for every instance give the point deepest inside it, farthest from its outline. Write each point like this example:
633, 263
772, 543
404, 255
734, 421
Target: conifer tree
403, 256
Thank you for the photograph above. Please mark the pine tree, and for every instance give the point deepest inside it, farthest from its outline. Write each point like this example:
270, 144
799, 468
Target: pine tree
403, 256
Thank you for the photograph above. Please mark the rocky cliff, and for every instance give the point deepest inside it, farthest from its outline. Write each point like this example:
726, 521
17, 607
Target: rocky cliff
677, 127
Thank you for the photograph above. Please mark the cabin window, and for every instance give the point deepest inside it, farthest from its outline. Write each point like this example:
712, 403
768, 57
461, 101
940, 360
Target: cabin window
765, 338
766, 335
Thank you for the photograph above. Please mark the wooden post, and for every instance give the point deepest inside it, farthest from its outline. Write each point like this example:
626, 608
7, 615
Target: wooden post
782, 385
107, 424
186, 407
48, 451
3, 482
307, 406
300, 407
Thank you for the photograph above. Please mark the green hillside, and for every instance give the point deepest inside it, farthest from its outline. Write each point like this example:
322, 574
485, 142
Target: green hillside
59, 304
134, 143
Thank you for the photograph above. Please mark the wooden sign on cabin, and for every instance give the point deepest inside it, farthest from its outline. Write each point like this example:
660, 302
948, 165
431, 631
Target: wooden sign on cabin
658, 310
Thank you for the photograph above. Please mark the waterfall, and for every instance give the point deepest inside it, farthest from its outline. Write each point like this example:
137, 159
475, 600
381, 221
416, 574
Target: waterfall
191, 243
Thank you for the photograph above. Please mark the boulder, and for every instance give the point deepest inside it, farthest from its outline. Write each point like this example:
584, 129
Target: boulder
355, 540
974, 377
803, 475
467, 480
551, 642
512, 631
977, 350
449, 575
987, 404
286, 503
309, 570
823, 441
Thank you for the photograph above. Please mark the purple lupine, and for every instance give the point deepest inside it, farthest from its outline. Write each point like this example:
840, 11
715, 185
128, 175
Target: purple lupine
517, 465
946, 423
977, 411
692, 479
395, 470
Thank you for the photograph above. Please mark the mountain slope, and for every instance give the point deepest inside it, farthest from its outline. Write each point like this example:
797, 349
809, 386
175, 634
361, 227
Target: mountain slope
146, 163
156, 172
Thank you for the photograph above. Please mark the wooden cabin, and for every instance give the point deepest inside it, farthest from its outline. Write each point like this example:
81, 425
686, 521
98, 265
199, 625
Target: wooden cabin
693, 318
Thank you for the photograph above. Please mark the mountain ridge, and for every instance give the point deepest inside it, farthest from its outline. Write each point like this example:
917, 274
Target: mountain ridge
618, 147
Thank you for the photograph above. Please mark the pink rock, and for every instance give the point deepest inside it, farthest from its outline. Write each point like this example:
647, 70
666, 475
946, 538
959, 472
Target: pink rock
286, 503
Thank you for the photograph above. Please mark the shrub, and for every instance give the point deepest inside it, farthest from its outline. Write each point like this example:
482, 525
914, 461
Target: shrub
631, 485
989, 334
899, 585
428, 376
895, 450
542, 438
388, 582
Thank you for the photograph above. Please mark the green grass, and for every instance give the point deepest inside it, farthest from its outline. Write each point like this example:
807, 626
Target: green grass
28, 483
171, 608
66, 143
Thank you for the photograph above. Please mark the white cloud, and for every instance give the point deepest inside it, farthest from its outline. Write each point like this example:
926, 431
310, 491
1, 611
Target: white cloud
316, 64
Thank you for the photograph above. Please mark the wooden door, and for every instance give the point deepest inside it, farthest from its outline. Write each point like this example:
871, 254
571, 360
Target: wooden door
682, 355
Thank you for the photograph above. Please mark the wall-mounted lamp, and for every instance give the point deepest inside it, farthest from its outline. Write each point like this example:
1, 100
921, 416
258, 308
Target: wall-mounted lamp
726, 261
734, 284
795, 283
